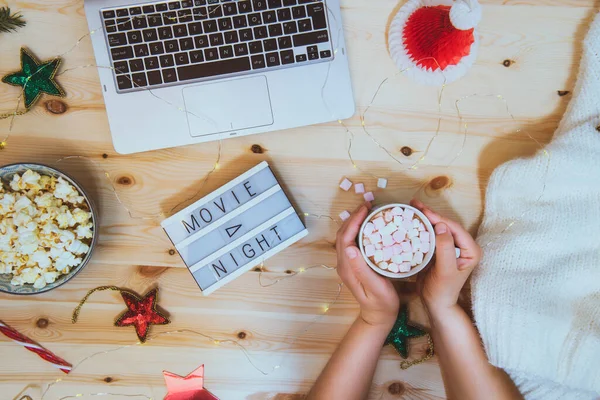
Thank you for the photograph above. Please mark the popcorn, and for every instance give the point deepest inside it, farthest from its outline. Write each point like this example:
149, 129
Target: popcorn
45, 229
397, 240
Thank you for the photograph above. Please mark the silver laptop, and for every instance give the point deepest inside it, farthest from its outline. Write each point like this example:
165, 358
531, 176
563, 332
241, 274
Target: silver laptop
192, 71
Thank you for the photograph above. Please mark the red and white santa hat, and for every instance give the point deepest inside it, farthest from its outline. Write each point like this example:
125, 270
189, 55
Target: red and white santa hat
435, 41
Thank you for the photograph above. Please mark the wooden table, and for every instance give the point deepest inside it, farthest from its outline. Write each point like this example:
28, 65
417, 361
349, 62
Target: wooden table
529, 54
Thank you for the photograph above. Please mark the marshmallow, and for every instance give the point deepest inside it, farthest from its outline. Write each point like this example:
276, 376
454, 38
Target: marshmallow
418, 257
387, 240
409, 214
344, 215
421, 227
383, 265
369, 228
375, 237
406, 256
397, 249
398, 259
416, 243
369, 196
378, 246
399, 235
379, 223
378, 256
407, 224
366, 241
346, 184
425, 247
413, 233
404, 267
415, 224
398, 220
369, 250
359, 188
388, 229
388, 216
397, 211
388, 253
406, 247
382, 183
393, 267
424, 236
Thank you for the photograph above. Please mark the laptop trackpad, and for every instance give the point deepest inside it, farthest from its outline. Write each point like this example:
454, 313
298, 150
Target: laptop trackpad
228, 106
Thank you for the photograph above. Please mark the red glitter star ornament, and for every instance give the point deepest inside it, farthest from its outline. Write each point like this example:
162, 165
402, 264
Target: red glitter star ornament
190, 387
141, 313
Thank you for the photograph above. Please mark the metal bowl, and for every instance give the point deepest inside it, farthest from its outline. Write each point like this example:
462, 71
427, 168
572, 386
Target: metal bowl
6, 174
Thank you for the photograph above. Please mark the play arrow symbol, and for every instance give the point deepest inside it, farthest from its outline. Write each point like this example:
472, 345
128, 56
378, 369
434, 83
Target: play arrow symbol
232, 230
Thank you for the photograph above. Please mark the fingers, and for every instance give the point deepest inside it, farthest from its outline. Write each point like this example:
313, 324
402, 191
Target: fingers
349, 230
445, 254
470, 252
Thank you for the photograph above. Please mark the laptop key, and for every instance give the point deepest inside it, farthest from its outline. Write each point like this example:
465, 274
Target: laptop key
157, 48
148, 9
301, 57
272, 59
171, 46
211, 54
185, 15
109, 14
259, 5
150, 35
231, 37
140, 22
216, 39
258, 61
287, 57
169, 18
299, 12
186, 3
215, 11
284, 14
117, 39
141, 50
230, 9
124, 82
154, 78
325, 54
285, 42
165, 33
111, 29
134, 37
139, 80
136, 65
161, 7
180, 31
313, 56
246, 35
305, 39
255, 47
135, 10
200, 13
151, 63
201, 41
317, 12
210, 26
226, 52
169, 75
225, 24
195, 28
121, 53
244, 7
121, 67
181, 59
124, 24
196, 56
154, 20
199, 2
260, 32
275, 3
275, 30
166, 61
195, 71
240, 49
269, 17
312, 49
122, 12
174, 5
289, 3
240, 21
270, 44
304, 25
186, 43
290, 28
254, 19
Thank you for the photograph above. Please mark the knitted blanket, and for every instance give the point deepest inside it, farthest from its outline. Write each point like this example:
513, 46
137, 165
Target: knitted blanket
536, 294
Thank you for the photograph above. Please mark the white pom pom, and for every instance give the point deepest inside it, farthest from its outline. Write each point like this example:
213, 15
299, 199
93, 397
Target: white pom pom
465, 14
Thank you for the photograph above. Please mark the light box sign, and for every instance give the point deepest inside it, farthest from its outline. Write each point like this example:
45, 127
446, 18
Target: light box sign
234, 228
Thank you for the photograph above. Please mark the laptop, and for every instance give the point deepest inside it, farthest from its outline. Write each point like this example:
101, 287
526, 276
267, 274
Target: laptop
192, 71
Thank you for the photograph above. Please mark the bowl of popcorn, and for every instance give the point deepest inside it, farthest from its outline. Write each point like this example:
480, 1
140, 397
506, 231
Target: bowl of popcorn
397, 240
47, 228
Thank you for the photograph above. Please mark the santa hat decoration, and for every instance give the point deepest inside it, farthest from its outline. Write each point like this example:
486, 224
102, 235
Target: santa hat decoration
435, 41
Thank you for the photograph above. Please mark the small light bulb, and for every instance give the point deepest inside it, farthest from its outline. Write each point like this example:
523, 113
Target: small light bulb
326, 308
306, 214
301, 270
216, 165
2, 145
217, 342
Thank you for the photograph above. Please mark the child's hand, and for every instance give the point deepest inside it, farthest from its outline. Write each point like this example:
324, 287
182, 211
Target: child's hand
378, 299
441, 285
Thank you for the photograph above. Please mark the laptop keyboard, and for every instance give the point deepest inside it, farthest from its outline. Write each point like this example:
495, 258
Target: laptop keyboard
159, 44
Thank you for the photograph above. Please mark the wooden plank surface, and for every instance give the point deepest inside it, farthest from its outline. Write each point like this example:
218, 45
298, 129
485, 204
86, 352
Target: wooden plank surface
529, 51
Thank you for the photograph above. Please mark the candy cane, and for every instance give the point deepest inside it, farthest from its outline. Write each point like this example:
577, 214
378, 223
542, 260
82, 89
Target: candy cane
34, 347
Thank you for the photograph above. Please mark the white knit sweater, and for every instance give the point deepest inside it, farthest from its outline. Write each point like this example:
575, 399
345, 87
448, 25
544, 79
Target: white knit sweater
536, 294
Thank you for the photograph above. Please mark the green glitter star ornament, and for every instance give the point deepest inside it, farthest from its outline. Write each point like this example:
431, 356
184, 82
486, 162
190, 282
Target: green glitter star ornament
402, 331
35, 77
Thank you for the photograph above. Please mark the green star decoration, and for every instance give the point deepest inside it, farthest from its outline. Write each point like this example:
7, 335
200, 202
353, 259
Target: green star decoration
35, 78
402, 331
